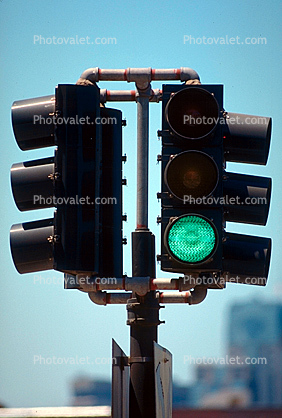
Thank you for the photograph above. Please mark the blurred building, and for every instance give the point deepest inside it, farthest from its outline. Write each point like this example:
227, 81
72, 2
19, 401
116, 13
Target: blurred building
255, 335
221, 386
90, 392
254, 379
227, 413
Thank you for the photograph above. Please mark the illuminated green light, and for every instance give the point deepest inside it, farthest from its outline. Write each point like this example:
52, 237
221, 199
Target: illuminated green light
191, 239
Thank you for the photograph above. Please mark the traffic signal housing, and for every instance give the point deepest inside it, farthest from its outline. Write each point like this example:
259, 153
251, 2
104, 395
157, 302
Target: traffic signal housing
82, 181
198, 195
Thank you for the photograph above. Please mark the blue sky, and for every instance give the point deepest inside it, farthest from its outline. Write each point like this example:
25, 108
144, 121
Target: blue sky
39, 319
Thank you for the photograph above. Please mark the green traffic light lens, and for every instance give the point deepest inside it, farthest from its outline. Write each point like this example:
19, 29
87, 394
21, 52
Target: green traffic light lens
191, 239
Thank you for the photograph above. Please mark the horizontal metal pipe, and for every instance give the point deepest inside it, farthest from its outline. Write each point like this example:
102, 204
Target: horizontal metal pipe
117, 95
110, 75
192, 297
127, 95
105, 298
182, 74
174, 297
166, 74
139, 75
139, 285
165, 284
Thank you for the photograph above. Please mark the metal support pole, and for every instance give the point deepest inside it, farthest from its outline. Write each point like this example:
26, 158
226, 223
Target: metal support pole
142, 156
143, 319
143, 311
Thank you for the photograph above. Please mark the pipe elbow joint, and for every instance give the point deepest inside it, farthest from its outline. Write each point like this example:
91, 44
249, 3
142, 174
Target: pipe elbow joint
197, 295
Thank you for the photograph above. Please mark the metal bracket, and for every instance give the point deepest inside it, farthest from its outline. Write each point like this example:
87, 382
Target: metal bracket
140, 360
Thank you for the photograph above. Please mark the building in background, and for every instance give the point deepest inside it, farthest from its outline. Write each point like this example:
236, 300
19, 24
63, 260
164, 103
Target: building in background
255, 333
254, 379
90, 392
221, 386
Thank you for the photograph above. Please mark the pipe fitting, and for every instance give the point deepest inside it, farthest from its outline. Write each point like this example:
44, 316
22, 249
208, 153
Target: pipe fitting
192, 297
198, 295
187, 73
105, 298
91, 74
139, 285
141, 76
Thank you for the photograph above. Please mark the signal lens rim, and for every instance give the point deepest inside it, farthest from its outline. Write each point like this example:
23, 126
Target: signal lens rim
192, 90
208, 256
182, 155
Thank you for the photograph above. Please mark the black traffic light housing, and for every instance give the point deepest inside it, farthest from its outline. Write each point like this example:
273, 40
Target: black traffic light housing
192, 169
82, 181
198, 195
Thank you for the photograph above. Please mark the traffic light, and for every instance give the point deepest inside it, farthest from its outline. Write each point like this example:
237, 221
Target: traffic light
198, 196
82, 181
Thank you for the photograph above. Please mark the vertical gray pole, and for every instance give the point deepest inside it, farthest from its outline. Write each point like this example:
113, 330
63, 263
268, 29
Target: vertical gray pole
143, 312
142, 157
